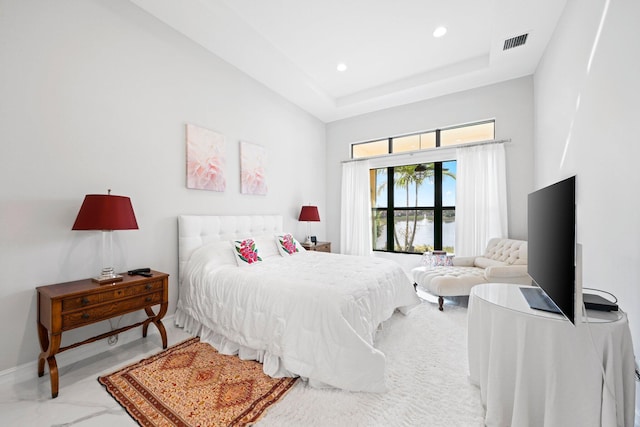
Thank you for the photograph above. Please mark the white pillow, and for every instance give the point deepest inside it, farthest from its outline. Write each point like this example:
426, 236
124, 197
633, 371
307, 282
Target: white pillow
220, 252
267, 245
246, 252
288, 245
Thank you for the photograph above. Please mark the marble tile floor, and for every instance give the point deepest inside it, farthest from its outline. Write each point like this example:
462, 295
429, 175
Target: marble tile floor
25, 399
82, 401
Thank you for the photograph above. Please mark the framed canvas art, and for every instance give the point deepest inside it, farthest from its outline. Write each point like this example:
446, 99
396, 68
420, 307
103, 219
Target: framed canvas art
252, 169
205, 159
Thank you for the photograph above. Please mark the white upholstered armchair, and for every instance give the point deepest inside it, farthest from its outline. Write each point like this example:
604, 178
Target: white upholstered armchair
504, 261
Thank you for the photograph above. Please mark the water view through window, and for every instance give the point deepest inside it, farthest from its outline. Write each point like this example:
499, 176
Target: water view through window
420, 207
416, 212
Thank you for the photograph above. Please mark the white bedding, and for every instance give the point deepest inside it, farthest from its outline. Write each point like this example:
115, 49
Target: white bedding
312, 314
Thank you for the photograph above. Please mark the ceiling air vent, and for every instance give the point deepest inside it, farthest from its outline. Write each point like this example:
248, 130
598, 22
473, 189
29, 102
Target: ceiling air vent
515, 42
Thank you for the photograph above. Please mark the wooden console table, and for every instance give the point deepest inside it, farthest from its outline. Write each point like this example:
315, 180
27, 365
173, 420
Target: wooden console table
66, 306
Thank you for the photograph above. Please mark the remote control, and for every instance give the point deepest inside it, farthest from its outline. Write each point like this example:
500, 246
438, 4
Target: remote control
138, 271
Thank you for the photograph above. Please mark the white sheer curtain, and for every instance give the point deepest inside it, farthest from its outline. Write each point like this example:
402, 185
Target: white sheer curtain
481, 197
355, 218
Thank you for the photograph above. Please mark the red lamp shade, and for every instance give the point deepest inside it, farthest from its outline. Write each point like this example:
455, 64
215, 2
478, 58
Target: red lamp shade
309, 213
105, 212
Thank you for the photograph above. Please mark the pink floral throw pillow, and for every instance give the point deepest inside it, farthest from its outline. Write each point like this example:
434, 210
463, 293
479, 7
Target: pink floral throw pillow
246, 252
287, 244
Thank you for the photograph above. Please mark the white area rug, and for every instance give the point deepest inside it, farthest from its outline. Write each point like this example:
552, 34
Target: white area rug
426, 374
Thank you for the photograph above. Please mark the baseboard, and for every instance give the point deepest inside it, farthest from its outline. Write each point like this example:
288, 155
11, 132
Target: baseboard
637, 413
29, 370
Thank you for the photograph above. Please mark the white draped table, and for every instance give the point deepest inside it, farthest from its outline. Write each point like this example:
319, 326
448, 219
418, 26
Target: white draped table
535, 368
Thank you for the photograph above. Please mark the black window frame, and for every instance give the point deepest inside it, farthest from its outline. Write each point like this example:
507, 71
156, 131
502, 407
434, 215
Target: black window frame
438, 210
437, 137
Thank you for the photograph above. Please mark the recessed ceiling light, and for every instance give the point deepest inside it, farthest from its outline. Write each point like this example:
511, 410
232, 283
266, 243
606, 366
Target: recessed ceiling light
341, 66
439, 32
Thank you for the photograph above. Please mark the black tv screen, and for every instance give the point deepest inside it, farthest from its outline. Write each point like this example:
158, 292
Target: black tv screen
552, 243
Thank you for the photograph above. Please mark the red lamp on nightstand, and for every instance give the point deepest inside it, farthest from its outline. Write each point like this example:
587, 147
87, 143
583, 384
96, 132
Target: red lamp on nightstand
309, 214
106, 213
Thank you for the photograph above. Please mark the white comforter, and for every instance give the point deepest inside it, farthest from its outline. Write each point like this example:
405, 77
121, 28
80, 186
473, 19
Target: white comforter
312, 314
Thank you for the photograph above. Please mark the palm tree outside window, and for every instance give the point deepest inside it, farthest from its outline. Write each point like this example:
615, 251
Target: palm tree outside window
414, 211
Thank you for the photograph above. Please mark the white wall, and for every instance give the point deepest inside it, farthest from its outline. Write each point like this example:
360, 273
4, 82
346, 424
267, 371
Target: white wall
586, 123
95, 94
509, 103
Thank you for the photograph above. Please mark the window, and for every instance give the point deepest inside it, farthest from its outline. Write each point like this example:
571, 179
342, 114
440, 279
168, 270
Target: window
475, 132
416, 212
413, 207
369, 149
466, 134
413, 142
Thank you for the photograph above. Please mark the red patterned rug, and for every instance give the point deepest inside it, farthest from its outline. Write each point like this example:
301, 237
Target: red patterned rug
191, 384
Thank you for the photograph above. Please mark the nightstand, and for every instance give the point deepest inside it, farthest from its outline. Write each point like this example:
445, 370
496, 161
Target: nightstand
318, 247
66, 306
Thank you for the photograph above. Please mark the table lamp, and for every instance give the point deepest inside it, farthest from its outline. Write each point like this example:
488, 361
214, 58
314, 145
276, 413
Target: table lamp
106, 213
309, 214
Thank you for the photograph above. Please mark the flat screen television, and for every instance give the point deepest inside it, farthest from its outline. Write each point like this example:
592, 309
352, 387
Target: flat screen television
551, 217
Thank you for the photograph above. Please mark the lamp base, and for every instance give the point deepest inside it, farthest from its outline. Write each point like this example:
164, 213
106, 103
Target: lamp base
107, 280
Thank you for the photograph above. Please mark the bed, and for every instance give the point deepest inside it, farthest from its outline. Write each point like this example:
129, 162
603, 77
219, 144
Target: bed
304, 313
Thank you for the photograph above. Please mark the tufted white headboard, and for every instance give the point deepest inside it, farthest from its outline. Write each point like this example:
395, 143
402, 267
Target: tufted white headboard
197, 230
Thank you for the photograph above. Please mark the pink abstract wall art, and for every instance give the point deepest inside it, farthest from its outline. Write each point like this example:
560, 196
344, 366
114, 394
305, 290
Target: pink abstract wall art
252, 169
205, 159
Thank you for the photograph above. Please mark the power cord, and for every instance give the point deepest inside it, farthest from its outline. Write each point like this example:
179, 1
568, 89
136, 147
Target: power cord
113, 339
600, 362
615, 301
593, 343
